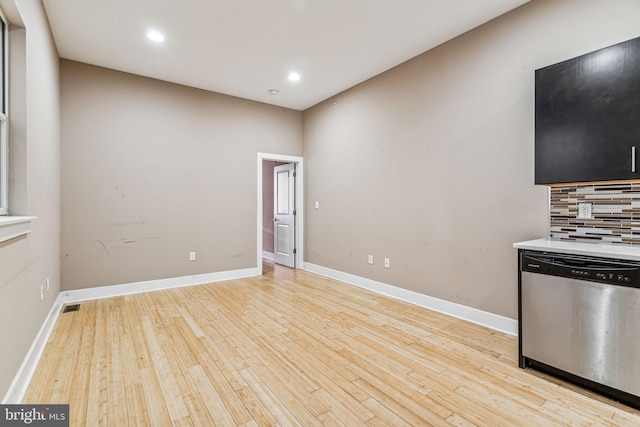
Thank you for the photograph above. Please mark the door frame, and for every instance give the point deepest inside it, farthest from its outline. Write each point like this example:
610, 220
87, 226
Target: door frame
299, 197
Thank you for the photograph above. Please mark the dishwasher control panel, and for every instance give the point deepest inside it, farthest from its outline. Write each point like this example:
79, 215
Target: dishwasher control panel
603, 270
611, 277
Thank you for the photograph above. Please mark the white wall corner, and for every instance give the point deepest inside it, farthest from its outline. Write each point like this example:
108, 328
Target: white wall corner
470, 314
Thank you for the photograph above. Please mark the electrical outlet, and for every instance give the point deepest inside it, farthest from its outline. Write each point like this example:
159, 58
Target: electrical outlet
42, 293
48, 285
317, 204
192, 256
584, 211
387, 263
370, 259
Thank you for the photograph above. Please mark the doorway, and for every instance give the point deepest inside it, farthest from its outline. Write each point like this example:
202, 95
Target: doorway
264, 216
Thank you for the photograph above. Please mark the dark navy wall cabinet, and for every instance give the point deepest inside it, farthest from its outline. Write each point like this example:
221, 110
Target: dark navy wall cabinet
587, 123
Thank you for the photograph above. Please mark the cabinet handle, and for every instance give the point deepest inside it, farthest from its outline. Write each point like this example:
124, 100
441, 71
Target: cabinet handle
633, 159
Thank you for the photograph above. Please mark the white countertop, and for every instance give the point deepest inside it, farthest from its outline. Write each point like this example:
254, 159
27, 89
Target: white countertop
592, 249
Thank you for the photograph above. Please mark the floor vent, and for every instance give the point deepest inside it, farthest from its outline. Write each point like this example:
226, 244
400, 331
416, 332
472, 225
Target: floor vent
72, 307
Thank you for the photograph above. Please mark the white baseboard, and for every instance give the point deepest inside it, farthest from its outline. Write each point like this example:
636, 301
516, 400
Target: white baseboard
78, 295
473, 315
21, 381
267, 255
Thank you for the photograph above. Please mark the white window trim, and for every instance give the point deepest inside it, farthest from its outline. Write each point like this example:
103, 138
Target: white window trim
4, 124
4, 166
14, 226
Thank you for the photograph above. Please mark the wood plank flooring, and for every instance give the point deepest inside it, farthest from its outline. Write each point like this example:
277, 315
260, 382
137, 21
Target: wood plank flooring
294, 348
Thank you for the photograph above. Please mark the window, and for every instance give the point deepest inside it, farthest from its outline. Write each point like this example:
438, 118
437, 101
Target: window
14, 226
4, 135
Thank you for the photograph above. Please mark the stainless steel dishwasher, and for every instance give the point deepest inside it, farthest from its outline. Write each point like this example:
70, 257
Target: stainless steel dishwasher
580, 320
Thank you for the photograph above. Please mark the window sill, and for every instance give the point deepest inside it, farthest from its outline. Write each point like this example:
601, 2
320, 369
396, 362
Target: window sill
14, 226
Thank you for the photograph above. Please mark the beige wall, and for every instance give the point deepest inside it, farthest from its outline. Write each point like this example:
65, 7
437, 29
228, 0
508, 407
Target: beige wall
26, 262
153, 170
431, 163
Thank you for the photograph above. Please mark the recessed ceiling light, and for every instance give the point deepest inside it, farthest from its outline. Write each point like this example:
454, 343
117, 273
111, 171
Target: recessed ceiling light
274, 91
155, 36
293, 76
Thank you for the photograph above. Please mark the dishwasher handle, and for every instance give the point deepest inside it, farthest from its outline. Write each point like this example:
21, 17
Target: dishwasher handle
588, 266
541, 263
532, 262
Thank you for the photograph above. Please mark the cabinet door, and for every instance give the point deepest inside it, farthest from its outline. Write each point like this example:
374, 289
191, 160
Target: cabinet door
588, 117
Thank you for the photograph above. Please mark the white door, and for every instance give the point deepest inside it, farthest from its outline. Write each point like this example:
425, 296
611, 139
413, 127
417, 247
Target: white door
284, 214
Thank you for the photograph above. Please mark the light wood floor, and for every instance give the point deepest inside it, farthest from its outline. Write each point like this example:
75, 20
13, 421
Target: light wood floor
293, 348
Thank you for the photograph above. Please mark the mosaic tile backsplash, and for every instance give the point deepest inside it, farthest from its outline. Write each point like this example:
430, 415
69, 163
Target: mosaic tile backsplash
615, 211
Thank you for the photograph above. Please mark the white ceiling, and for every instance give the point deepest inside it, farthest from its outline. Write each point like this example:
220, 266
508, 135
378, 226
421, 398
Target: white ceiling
245, 48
